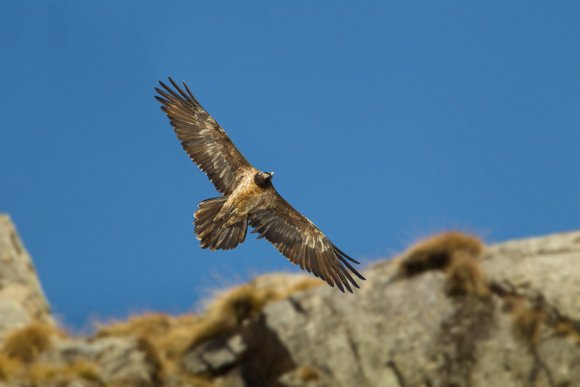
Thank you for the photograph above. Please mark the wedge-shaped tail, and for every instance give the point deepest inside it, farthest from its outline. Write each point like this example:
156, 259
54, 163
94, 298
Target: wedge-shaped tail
212, 233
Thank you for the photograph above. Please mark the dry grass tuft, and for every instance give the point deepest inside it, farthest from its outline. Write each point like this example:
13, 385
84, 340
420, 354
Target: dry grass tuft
307, 374
303, 285
464, 276
19, 360
436, 252
238, 304
567, 328
165, 339
188, 380
512, 302
165, 333
229, 309
527, 322
85, 370
454, 253
42, 374
153, 358
532, 320
150, 324
28, 343
9, 367
176, 340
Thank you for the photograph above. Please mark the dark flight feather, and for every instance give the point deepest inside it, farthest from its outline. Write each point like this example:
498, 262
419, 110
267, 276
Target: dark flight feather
298, 239
202, 137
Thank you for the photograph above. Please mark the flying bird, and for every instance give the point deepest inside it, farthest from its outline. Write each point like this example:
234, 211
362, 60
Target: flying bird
249, 198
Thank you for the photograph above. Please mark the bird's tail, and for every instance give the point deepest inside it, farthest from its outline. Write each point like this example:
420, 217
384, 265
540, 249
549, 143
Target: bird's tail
214, 234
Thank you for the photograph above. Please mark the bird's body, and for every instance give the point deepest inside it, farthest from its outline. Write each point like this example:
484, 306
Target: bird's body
249, 198
246, 197
233, 212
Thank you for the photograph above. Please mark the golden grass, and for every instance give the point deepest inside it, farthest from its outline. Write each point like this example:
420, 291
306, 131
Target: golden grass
225, 313
27, 343
21, 350
566, 328
307, 374
303, 285
528, 320
196, 381
465, 276
153, 358
436, 252
9, 367
454, 253
41, 374
150, 324
237, 304
227, 310
173, 344
164, 339
526, 323
511, 302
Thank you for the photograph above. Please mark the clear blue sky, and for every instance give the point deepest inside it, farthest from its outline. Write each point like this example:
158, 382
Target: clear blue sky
384, 122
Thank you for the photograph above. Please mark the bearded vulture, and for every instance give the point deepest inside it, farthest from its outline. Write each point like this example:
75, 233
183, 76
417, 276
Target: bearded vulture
248, 196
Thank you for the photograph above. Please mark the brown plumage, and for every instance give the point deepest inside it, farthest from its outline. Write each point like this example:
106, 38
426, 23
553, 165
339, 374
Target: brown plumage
248, 196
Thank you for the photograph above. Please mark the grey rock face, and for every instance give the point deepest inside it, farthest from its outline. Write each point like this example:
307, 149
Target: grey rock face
214, 356
22, 300
412, 333
393, 332
120, 359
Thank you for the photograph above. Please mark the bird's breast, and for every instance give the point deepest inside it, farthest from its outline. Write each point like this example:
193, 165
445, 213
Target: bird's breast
246, 197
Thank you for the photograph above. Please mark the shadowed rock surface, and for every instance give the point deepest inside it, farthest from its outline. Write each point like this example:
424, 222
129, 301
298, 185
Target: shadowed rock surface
519, 325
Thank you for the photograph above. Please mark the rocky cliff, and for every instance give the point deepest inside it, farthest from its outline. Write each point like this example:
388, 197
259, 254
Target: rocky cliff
449, 311
21, 298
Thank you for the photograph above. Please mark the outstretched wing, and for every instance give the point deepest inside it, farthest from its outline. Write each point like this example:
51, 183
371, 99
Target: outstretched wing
299, 240
202, 137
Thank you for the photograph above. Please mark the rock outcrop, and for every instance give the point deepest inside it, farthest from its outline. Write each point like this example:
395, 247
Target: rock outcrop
412, 332
447, 312
21, 298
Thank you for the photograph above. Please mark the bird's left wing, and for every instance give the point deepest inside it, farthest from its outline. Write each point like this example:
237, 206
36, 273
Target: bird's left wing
299, 240
202, 137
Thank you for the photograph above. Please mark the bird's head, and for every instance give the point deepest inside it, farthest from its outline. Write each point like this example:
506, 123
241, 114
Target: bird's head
264, 179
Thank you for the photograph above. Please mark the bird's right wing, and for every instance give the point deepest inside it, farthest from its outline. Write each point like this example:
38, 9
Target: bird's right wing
298, 239
202, 137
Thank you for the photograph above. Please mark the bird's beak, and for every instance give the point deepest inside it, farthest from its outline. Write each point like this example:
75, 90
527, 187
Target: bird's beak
271, 174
